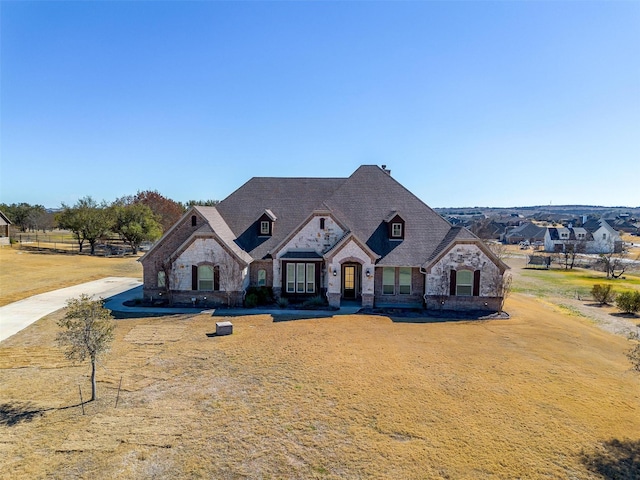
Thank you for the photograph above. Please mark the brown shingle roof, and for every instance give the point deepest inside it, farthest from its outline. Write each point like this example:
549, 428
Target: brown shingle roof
362, 201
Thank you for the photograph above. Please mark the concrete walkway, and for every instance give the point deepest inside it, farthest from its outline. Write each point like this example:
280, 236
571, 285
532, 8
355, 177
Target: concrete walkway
116, 291
18, 315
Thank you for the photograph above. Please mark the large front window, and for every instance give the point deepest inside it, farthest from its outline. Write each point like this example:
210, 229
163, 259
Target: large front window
464, 283
301, 278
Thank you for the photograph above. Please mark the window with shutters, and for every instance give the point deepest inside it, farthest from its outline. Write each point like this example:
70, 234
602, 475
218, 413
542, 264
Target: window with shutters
205, 278
464, 283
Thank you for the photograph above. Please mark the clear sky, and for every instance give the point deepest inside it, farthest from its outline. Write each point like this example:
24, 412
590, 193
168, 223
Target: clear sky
509, 103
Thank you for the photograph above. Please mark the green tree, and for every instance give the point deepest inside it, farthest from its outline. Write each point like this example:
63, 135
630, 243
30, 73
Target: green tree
70, 219
628, 302
135, 223
88, 220
603, 294
88, 332
23, 215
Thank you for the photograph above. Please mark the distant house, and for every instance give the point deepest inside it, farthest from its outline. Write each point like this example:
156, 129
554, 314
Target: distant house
4, 229
527, 232
595, 236
364, 239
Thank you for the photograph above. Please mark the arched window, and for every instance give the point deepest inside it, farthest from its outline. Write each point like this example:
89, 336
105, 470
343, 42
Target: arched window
194, 220
464, 283
262, 277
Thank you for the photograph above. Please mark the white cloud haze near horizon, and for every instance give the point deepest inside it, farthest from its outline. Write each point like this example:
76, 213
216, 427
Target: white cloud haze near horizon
494, 104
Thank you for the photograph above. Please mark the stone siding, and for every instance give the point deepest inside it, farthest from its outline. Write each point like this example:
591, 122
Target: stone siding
463, 256
151, 263
351, 252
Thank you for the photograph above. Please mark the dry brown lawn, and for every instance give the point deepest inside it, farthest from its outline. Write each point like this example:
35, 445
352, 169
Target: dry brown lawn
28, 272
543, 395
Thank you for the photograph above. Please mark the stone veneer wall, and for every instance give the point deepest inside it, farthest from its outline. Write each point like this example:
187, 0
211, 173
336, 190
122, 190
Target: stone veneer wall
150, 263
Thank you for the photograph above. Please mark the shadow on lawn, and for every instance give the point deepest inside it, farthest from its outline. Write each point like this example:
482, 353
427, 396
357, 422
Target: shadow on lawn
14, 413
615, 459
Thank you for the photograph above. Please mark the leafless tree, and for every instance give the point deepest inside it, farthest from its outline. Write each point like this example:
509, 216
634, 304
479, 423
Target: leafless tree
613, 263
441, 285
500, 286
230, 274
171, 278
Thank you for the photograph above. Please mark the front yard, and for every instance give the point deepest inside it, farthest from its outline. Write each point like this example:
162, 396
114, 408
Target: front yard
540, 395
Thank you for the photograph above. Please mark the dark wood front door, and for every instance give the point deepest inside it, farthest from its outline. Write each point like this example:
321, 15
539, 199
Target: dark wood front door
349, 281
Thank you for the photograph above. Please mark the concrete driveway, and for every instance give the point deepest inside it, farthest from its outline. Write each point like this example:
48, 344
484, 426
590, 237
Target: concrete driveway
18, 315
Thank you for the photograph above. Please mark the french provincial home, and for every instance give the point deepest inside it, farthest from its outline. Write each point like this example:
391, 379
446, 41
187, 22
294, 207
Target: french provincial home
363, 239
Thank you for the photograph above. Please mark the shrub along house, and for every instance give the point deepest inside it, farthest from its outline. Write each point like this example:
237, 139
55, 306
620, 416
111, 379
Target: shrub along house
363, 239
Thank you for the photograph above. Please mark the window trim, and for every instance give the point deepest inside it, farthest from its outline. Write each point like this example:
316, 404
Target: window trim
262, 282
265, 227
212, 280
300, 278
400, 284
396, 230
390, 270
464, 285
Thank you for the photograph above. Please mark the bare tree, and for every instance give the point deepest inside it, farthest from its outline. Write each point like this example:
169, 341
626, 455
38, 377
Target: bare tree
500, 286
570, 249
613, 263
230, 274
88, 332
441, 284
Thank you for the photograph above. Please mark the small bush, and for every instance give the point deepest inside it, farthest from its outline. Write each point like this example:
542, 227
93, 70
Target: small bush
603, 294
283, 302
251, 300
315, 302
628, 302
264, 294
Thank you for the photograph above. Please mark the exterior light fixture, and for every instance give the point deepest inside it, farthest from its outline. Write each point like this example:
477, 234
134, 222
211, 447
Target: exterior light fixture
335, 272
368, 272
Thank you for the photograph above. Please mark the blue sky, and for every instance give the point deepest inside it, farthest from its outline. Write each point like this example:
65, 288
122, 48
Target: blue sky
468, 103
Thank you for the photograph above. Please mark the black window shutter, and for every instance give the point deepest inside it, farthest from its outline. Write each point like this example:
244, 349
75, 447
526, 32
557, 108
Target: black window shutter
194, 277
452, 283
216, 278
476, 283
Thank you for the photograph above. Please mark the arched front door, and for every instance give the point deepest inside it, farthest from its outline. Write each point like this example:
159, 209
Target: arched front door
351, 273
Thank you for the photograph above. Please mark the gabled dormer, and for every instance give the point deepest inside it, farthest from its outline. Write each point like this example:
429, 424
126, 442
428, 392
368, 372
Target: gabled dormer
265, 223
395, 226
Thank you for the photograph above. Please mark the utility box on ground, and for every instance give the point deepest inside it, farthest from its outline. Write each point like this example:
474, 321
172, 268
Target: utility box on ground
224, 328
